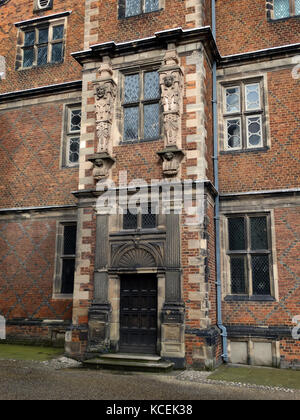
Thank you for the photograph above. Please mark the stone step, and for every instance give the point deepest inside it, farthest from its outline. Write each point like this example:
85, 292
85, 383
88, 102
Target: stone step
133, 357
128, 365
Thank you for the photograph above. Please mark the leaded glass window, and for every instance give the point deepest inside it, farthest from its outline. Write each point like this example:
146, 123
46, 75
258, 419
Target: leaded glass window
141, 103
286, 8
137, 7
144, 217
243, 116
73, 125
43, 45
249, 253
68, 258
133, 8
281, 9
151, 5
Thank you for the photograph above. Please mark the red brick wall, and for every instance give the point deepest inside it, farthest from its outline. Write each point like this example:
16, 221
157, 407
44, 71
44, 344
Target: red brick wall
119, 30
27, 256
242, 26
19, 10
30, 147
279, 166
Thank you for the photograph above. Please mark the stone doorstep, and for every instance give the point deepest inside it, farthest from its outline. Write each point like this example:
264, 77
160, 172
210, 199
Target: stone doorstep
134, 362
130, 356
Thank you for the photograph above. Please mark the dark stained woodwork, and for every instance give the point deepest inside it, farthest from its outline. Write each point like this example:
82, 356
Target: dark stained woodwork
138, 313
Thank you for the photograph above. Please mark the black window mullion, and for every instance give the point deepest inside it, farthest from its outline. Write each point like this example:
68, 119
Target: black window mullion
249, 266
243, 116
141, 106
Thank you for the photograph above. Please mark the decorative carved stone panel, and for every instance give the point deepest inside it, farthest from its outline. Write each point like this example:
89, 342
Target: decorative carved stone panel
136, 255
171, 81
105, 90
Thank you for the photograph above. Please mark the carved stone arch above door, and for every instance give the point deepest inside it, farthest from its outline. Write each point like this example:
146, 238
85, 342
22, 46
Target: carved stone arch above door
137, 256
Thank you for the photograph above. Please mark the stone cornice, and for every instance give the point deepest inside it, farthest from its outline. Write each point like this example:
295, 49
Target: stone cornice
159, 40
41, 91
260, 55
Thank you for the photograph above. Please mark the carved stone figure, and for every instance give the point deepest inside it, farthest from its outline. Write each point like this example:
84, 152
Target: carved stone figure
103, 133
170, 94
171, 81
171, 127
105, 90
102, 163
105, 100
105, 95
171, 158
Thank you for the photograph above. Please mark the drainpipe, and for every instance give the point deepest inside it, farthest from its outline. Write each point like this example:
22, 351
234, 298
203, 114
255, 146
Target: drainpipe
217, 202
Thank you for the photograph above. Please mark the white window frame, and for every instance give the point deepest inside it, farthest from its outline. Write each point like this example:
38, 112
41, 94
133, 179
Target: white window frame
244, 114
68, 134
226, 133
249, 146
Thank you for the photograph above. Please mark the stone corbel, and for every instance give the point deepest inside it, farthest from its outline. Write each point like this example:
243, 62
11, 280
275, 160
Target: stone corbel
102, 163
171, 158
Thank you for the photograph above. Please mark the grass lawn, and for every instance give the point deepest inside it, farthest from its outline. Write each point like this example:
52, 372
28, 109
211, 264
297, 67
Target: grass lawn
259, 376
15, 352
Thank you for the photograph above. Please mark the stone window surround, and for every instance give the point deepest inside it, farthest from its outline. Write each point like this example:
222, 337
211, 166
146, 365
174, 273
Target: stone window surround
36, 24
122, 5
270, 11
225, 260
141, 69
132, 64
116, 222
65, 135
250, 349
241, 82
58, 260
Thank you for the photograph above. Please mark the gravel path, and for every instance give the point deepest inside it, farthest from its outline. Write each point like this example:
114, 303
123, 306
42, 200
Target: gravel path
55, 380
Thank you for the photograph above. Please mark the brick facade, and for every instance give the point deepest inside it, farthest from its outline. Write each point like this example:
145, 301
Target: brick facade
38, 193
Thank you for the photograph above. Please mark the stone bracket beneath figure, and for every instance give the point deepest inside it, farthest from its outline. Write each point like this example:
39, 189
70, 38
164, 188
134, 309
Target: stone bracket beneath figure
171, 157
102, 164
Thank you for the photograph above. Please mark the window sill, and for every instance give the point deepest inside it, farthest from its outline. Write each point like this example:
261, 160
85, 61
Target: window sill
140, 15
254, 150
61, 296
143, 231
127, 142
40, 67
273, 20
247, 298
70, 167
